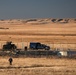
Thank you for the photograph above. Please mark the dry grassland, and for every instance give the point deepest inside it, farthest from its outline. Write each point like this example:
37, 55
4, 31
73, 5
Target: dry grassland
62, 35
38, 66
58, 35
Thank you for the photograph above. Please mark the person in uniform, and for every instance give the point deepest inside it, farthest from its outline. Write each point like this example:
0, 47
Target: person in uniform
10, 60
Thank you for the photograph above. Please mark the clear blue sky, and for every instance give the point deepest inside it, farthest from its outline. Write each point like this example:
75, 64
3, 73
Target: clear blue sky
24, 9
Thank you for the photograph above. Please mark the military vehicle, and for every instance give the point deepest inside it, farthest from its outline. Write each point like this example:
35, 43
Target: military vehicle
9, 46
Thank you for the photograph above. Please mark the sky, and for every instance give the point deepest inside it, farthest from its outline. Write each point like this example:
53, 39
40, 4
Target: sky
25, 9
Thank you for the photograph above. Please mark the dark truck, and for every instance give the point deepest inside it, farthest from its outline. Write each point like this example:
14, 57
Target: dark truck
9, 46
37, 45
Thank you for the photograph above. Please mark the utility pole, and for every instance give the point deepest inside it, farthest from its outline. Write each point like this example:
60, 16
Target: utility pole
22, 44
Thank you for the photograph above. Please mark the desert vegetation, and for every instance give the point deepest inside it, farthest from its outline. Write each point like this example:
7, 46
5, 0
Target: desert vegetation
38, 66
49, 31
57, 33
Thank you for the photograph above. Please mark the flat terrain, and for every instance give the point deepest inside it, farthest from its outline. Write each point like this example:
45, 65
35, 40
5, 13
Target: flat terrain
38, 66
58, 33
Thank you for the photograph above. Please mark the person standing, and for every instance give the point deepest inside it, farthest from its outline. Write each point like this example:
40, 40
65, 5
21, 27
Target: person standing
10, 60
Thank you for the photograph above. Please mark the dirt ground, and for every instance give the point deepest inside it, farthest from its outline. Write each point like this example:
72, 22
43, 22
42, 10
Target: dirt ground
59, 34
38, 66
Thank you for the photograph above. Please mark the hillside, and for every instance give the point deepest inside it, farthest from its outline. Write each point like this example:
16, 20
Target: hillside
37, 21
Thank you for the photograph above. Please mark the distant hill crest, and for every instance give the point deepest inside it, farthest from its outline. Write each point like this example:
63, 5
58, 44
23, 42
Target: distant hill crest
39, 21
